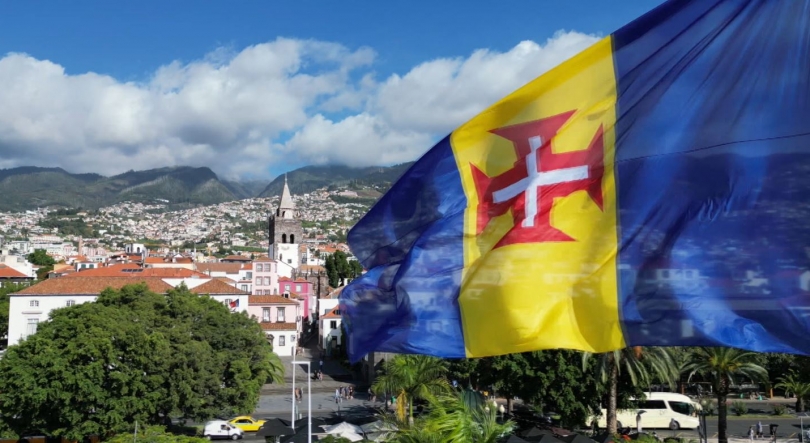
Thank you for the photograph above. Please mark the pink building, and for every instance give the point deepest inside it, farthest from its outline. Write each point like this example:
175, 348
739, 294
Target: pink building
265, 277
300, 289
279, 319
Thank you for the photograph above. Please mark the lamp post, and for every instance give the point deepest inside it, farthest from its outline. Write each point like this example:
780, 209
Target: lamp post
309, 397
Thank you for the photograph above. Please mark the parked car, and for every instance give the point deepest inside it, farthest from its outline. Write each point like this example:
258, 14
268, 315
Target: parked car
246, 423
220, 429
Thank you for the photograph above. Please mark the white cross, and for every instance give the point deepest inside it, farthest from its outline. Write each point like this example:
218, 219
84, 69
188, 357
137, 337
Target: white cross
530, 186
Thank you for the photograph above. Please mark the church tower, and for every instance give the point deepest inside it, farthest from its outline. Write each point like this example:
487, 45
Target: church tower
285, 230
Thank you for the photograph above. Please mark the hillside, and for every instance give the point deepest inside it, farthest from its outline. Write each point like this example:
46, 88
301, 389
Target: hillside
31, 187
310, 178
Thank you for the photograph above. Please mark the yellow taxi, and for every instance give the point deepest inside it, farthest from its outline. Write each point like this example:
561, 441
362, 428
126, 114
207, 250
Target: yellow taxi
246, 423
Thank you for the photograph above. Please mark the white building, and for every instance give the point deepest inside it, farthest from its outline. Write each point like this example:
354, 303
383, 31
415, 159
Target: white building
330, 332
34, 304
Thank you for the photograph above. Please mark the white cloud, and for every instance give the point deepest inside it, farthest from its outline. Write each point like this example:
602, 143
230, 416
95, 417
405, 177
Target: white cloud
235, 111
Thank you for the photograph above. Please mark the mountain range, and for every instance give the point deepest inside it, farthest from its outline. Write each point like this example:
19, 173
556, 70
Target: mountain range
30, 187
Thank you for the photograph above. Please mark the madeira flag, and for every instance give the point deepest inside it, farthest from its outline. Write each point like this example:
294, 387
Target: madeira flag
653, 190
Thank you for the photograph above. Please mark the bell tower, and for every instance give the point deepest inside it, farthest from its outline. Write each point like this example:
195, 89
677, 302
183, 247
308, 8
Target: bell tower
285, 230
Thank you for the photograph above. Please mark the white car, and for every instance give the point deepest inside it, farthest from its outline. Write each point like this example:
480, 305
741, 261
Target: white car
221, 429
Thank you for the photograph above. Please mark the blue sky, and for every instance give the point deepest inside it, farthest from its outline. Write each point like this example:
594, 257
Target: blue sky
133, 41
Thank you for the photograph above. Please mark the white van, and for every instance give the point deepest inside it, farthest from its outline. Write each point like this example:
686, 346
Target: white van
662, 410
219, 429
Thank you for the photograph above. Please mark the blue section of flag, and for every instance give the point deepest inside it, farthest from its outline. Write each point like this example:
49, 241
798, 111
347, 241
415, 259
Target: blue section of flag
411, 242
713, 175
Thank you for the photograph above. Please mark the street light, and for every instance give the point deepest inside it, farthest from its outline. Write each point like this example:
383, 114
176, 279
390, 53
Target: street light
309, 397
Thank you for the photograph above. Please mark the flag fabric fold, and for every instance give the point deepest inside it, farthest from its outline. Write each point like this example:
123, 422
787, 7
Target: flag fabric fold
651, 190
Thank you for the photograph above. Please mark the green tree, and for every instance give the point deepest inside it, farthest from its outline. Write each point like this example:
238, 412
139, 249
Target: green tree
791, 383
97, 368
722, 366
41, 258
465, 371
450, 418
332, 271
411, 377
154, 434
9, 288
641, 366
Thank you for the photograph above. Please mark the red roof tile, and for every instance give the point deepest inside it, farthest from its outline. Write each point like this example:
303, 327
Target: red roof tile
267, 326
90, 285
270, 299
215, 286
334, 313
9, 272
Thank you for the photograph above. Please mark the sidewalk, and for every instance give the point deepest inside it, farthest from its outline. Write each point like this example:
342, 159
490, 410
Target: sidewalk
334, 375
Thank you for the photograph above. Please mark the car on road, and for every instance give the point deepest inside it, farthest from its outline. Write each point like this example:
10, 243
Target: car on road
246, 423
220, 429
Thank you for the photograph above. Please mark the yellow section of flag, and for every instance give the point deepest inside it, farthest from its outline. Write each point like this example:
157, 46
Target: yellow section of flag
528, 295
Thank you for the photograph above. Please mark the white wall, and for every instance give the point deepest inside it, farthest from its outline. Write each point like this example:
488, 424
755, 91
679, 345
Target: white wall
325, 305
327, 332
290, 340
243, 301
20, 311
288, 254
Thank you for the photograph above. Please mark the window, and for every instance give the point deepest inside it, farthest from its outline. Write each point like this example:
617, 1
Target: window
249, 276
70, 303
284, 238
289, 260
652, 404
280, 315
281, 340
258, 267
681, 407
244, 288
292, 238
267, 281
228, 302
31, 328
333, 324
265, 314
297, 288
286, 287
34, 303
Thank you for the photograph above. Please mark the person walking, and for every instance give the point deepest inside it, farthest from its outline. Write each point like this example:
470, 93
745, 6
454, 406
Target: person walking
759, 429
751, 433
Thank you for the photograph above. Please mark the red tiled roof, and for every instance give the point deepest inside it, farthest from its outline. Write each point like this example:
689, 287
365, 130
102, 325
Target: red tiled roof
237, 257
91, 285
125, 270
228, 268
332, 314
267, 326
284, 278
215, 286
270, 299
9, 272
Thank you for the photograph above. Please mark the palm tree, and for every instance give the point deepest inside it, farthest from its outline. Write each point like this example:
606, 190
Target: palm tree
791, 383
276, 375
640, 365
722, 366
452, 418
412, 377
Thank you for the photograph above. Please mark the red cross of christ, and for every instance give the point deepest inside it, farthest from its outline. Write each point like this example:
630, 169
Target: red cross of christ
538, 177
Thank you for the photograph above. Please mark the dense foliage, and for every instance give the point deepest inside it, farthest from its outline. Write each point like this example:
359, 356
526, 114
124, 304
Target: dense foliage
97, 368
340, 270
8, 288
